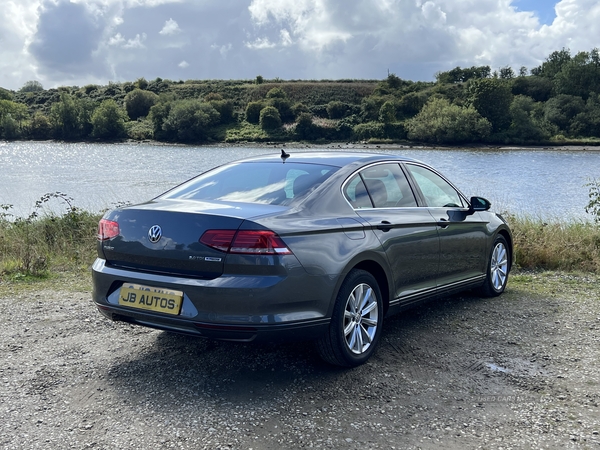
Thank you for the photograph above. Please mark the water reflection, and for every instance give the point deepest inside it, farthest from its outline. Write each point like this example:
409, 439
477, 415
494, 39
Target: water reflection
542, 183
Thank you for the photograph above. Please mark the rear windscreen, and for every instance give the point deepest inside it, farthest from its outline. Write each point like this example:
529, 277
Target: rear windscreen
273, 183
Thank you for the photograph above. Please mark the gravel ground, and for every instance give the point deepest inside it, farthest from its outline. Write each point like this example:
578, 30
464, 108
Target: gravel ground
518, 371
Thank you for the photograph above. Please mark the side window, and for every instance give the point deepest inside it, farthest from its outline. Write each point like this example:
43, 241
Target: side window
380, 186
437, 192
356, 193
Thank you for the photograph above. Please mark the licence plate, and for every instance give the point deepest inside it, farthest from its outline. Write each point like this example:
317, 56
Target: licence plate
151, 298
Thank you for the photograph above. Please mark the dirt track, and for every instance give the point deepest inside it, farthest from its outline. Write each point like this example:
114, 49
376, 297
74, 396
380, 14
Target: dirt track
519, 371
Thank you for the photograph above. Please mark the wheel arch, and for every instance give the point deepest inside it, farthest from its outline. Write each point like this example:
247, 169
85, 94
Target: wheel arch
375, 269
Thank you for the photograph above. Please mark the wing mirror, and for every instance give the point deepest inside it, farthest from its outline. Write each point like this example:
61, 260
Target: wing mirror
479, 204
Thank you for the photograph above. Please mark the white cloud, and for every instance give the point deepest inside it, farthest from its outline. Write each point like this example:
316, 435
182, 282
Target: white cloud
183, 64
117, 39
260, 44
286, 39
171, 27
64, 42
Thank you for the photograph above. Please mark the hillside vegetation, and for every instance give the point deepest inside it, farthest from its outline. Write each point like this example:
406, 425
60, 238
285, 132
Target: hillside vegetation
555, 103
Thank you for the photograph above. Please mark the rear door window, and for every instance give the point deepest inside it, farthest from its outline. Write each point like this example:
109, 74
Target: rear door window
380, 186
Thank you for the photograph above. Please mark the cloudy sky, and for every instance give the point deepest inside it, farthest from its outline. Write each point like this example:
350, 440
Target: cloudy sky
78, 42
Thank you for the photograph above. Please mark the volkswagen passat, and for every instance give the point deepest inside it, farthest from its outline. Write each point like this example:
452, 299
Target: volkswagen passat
318, 246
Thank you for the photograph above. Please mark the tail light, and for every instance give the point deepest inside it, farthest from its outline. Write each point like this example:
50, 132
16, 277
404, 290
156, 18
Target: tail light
246, 242
107, 229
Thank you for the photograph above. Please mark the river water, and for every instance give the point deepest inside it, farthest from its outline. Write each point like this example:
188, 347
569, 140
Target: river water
548, 184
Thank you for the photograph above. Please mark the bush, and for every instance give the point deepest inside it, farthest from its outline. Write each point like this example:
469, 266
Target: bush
369, 130
269, 118
253, 111
40, 127
305, 128
283, 107
140, 129
108, 121
139, 102
337, 109
190, 120
442, 123
387, 112
276, 93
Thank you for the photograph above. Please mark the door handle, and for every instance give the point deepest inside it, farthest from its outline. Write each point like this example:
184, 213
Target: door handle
443, 223
384, 226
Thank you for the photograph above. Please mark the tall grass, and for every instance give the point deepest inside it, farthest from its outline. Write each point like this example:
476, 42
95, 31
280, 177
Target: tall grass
570, 246
45, 243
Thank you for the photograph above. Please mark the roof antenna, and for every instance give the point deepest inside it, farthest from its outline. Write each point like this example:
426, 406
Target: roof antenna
284, 155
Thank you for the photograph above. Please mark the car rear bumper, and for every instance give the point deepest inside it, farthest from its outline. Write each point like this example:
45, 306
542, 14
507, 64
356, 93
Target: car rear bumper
231, 307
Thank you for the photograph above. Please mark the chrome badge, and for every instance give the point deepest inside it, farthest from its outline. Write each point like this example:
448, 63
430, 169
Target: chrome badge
154, 234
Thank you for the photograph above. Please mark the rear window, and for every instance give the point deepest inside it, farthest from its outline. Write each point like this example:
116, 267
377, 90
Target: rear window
254, 182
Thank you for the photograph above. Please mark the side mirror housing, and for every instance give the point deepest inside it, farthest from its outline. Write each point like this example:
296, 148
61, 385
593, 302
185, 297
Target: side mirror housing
479, 204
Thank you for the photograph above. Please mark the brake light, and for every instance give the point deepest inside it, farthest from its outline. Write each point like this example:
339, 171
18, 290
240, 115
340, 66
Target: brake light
246, 242
218, 239
107, 229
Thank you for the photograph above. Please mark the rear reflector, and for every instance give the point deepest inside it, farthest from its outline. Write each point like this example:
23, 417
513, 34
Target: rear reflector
107, 229
247, 242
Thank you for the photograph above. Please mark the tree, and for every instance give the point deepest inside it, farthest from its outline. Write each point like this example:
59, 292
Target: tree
553, 64
560, 110
269, 118
387, 112
587, 122
276, 93
393, 81
40, 127
443, 123
305, 128
538, 88
492, 99
65, 118
32, 86
190, 120
5, 94
108, 121
524, 124
337, 109
138, 103
253, 111
507, 73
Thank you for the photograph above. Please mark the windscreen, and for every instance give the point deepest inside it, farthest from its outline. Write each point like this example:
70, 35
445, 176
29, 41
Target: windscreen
273, 183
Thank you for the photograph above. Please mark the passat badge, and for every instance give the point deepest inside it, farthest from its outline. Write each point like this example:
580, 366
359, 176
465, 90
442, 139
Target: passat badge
154, 234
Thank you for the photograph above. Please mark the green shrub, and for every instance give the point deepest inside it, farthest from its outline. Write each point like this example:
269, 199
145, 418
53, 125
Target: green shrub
108, 121
369, 130
442, 123
253, 111
140, 129
138, 103
269, 118
337, 109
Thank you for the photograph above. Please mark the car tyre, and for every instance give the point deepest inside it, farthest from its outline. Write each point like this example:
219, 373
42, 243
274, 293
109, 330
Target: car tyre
497, 268
356, 322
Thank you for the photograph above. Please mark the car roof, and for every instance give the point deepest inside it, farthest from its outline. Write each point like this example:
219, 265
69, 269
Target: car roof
333, 158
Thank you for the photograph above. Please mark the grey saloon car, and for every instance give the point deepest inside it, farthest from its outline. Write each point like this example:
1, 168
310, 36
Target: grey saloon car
309, 246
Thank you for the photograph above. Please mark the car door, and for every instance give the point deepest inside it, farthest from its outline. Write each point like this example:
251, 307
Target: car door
463, 234
381, 195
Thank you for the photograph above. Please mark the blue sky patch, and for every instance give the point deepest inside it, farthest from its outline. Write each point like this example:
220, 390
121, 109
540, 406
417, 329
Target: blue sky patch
544, 9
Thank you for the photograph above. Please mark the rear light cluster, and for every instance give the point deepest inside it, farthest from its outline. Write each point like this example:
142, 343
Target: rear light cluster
107, 229
245, 242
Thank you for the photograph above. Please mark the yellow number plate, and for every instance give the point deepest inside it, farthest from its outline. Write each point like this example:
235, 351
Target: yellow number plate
151, 298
